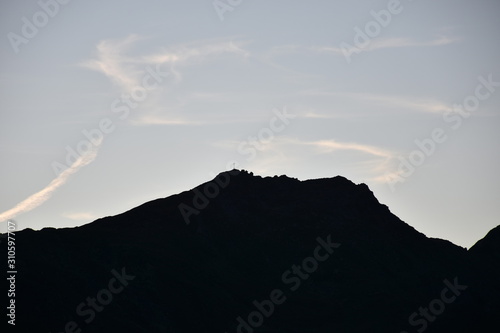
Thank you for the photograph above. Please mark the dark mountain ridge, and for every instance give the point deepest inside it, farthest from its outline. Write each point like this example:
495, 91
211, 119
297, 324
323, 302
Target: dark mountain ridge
243, 253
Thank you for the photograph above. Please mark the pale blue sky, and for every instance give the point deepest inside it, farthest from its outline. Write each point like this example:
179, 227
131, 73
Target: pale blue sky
223, 81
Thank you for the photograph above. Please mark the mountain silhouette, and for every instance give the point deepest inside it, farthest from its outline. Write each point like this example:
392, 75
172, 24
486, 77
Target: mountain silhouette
244, 253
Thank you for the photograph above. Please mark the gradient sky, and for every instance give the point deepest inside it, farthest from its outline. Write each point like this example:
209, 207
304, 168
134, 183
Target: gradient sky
222, 76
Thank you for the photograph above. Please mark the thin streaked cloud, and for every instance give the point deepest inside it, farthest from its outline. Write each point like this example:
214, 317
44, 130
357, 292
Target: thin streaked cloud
392, 101
113, 58
40, 197
387, 43
372, 161
328, 146
374, 44
162, 120
80, 216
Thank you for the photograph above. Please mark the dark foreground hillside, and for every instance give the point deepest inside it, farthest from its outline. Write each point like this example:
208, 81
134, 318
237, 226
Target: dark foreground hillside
249, 254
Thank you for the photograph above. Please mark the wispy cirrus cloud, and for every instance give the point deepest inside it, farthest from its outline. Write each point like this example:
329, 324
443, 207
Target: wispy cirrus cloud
37, 199
392, 101
282, 151
80, 216
112, 61
183, 54
374, 44
119, 61
152, 119
272, 56
114, 58
320, 146
328, 146
388, 43
374, 162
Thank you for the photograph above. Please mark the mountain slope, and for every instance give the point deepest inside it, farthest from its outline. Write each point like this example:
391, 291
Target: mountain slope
243, 253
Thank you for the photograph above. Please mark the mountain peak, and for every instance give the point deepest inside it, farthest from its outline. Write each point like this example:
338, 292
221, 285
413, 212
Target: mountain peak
203, 258
245, 175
